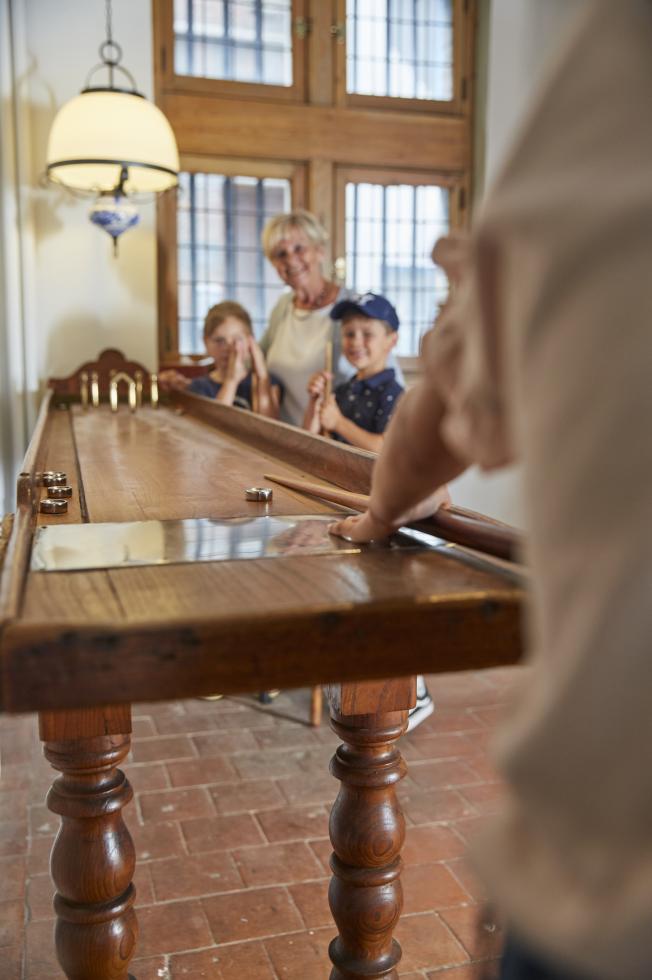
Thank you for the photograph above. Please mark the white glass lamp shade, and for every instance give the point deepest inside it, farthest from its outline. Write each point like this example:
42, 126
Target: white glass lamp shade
98, 133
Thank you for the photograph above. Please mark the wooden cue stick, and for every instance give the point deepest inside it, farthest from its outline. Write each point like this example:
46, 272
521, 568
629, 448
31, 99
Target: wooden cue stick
448, 523
356, 501
255, 395
328, 367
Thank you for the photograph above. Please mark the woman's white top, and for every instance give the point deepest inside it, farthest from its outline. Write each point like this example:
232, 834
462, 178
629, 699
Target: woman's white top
294, 345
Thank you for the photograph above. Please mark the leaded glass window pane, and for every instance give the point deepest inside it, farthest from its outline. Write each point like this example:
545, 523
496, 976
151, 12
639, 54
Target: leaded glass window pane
400, 48
234, 40
390, 231
219, 222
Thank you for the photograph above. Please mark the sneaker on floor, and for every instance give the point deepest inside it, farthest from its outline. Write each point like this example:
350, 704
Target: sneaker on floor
266, 697
422, 710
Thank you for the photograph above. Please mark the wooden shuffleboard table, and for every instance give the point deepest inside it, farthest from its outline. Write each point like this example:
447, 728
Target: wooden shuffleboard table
170, 596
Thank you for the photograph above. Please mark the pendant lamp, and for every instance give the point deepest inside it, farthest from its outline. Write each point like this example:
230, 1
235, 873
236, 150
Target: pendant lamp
112, 142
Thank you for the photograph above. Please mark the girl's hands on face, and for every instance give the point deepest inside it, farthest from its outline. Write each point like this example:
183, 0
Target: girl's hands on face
237, 369
257, 358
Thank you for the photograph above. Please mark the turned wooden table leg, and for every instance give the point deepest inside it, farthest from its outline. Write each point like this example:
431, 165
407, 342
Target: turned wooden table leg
367, 830
93, 858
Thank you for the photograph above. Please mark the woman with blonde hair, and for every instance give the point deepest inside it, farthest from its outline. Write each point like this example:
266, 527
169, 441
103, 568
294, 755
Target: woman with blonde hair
299, 325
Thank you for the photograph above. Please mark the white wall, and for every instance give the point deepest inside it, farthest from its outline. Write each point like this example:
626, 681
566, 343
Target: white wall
523, 36
85, 299
18, 380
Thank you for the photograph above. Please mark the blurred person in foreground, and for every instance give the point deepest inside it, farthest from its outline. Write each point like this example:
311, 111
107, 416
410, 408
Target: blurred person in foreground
544, 354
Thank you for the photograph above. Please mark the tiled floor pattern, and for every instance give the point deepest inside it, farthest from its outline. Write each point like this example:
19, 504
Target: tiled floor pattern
230, 822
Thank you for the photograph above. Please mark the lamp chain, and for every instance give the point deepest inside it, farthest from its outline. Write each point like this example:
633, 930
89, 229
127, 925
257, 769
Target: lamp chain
109, 22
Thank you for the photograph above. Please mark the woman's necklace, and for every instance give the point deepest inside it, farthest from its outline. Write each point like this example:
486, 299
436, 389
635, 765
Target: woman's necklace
315, 304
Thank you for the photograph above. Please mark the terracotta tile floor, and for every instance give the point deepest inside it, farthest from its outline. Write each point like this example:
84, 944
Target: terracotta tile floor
230, 821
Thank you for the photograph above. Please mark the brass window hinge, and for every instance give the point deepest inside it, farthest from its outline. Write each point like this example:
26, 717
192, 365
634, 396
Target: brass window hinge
339, 269
338, 32
302, 27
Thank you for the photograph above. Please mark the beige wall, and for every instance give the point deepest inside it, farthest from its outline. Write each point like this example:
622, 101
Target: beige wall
85, 299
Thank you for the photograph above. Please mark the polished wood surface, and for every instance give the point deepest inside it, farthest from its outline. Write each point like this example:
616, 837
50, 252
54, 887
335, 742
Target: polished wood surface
72, 643
182, 630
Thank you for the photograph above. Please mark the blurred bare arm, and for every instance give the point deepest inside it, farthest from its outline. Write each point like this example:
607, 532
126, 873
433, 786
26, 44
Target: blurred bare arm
412, 470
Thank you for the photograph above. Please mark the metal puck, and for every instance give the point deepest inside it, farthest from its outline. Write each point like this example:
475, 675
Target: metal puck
49, 506
53, 478
59, 493
259, 493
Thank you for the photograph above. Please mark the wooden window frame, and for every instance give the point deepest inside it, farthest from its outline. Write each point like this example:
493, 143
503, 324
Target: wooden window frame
457, 184
191, 84
390, 176
316, 136
168, 329
463, 39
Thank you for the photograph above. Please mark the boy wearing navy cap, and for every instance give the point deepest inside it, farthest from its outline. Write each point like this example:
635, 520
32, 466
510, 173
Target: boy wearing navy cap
359, 409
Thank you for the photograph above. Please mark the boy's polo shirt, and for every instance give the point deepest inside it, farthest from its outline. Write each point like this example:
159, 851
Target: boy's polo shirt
369, 402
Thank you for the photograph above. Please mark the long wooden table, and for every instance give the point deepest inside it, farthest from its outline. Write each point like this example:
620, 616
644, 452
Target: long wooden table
80, 647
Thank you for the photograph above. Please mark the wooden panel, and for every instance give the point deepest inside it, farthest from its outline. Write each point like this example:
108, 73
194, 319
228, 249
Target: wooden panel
321, 201
224, 591
342, 465
76, 665
339, 54
86, 597
14, 569
237, 166
320, 53
356, 136
60, 455
17, 549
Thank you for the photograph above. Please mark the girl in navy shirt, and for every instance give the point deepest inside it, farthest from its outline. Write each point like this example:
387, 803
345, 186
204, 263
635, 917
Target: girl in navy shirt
239, 375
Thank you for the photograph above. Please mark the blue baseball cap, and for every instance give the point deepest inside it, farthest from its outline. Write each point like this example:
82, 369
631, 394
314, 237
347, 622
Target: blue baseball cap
368, 304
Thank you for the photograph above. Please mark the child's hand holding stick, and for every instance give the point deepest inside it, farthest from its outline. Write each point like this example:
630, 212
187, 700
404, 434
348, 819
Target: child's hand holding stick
328, 375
